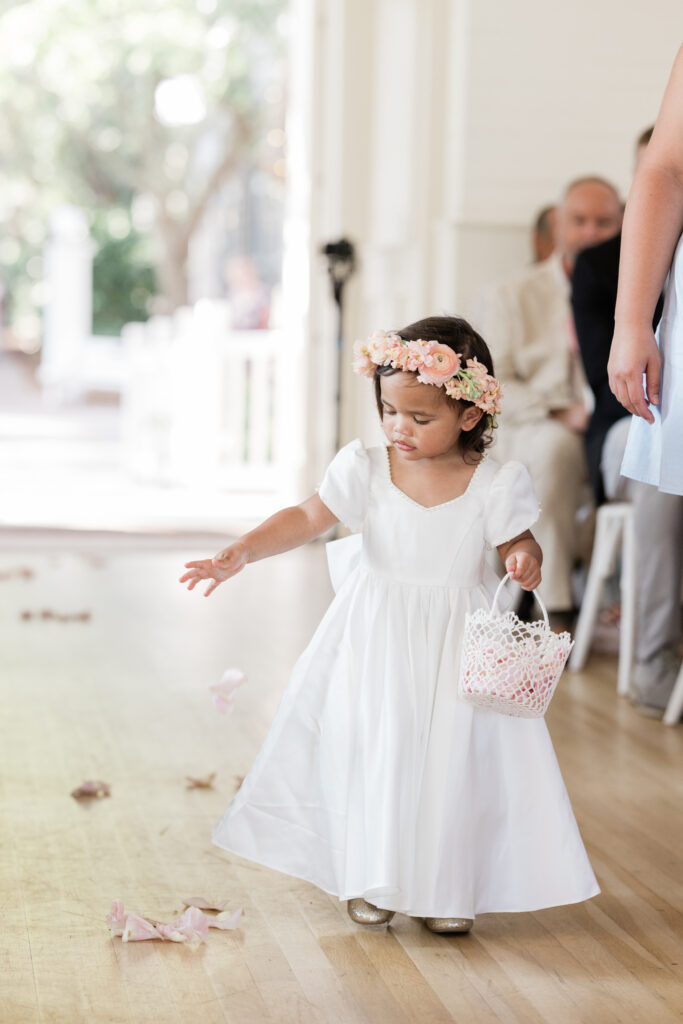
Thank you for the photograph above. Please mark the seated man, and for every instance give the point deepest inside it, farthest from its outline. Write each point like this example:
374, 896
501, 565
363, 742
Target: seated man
543, 234
658, 516
527, 321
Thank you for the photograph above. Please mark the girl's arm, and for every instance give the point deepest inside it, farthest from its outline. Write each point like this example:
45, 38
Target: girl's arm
652, 226
522, 558
289, 528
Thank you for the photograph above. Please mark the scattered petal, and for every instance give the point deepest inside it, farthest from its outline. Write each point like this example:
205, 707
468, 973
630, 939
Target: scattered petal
202, 904
192, 926
239, 779
137, 929
226, 921
116, 918
95, 561
21, 572
91, 789
203, 782
224, 690
47, 614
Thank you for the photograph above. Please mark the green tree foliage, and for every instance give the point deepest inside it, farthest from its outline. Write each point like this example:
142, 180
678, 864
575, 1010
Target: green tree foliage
123, 278
141, 108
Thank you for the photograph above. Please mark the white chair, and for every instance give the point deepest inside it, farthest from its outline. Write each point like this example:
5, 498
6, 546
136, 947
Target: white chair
674, 709
614, 533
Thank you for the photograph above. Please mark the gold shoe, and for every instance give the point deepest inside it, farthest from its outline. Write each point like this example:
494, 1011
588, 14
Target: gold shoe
363, 912
448, 925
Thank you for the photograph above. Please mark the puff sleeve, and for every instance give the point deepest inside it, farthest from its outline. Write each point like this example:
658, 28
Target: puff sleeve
346, 485
511, 504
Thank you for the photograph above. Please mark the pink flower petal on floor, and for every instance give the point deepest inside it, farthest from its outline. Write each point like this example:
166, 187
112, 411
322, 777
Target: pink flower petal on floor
221, 704
224, 690
203, 782
137, 929
202, 904
91, 789
192, 926
116, 918
226, 921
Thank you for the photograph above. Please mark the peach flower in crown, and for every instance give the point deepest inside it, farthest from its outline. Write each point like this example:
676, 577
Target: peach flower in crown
434, 364
440, 365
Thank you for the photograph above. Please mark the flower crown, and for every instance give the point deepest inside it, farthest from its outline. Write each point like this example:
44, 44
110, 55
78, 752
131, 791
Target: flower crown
435, 364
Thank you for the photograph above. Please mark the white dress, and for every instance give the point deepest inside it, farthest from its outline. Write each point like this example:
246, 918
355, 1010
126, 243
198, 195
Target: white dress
654, 451
375, 779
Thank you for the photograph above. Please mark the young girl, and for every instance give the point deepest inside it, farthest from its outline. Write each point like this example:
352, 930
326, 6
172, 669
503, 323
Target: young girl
376, 782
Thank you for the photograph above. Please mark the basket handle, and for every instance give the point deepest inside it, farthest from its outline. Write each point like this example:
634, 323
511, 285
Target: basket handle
506, 577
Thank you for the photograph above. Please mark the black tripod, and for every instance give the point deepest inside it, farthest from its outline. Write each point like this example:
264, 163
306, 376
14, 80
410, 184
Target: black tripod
341, 263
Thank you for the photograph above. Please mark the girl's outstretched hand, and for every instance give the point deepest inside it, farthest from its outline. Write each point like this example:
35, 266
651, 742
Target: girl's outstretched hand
524, 569
225, 564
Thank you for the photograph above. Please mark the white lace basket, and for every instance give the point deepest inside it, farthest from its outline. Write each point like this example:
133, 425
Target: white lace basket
508, 665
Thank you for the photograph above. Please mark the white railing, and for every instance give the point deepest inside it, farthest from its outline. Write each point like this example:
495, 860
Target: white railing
201, 403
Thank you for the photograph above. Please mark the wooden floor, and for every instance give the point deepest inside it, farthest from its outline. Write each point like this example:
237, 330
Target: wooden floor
124, 698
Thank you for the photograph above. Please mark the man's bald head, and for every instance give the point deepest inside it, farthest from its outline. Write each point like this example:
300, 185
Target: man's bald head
589, 212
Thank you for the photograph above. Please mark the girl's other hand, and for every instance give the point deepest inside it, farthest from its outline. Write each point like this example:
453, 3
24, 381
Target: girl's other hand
225, 564
633, 353
524, 569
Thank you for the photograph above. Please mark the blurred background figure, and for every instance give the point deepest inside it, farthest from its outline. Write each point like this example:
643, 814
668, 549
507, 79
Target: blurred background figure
527, 321
247, 294
543, 234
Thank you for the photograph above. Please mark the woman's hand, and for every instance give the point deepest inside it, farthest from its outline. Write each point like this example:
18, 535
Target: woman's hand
633, 353
524, 569
225, 564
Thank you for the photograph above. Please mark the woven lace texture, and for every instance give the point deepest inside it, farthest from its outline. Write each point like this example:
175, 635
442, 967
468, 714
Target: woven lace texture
511, 666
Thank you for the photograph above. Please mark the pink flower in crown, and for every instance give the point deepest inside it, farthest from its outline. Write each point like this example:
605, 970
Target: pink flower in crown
396, 355
427, 350
444, 364
478, 370
496, 395
454, 388
362, 360
411, 356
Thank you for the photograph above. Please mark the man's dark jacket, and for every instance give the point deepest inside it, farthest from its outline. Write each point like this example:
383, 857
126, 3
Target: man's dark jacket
594, 297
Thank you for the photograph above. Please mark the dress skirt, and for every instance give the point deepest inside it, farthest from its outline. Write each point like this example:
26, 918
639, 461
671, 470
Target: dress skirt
376, 780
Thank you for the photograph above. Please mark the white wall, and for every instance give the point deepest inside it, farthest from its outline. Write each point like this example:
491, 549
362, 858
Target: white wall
436, 130
552, 90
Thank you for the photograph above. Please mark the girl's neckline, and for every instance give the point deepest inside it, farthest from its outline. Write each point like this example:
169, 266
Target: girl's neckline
441, 504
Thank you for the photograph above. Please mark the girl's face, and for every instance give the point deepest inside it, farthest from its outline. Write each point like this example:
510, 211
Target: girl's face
418, 419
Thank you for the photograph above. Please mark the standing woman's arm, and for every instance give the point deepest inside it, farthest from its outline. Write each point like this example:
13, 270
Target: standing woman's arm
652, 226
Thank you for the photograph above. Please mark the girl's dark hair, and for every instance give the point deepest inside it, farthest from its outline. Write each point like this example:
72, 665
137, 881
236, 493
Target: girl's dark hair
463, 339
